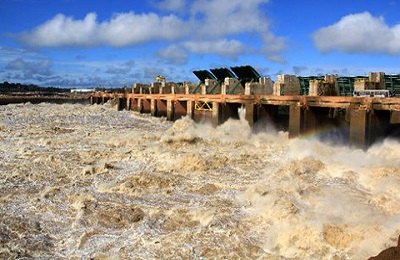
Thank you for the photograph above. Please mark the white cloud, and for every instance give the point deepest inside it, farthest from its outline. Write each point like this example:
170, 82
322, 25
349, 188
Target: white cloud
171, 5
273, 46
120, 69
62, 30
30, 68
205, 29
175, 54
122, 30
232, 17
127, 29
178, 53
229, 48
8, 54
359, 33
225, 17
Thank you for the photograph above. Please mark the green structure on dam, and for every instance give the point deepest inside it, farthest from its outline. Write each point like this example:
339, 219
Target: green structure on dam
346, 84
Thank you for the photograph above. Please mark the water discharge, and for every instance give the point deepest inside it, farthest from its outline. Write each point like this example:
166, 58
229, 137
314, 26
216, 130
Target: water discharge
87, 181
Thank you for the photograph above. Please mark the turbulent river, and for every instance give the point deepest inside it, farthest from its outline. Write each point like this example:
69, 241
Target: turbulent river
80, 181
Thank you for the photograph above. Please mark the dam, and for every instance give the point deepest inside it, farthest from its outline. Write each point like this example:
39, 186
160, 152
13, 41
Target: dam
362, 119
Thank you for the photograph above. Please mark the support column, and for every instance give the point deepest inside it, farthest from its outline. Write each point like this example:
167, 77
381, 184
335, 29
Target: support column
249, 113
203, 89
189, 108
153, 107
365, 127
128, 104
170, 110
114, 102
118, 104
92, 100
223, 89
215, 120
294, 121
139, 105
358, 127
103, 100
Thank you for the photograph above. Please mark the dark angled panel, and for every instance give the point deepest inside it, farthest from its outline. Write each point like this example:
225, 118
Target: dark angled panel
222, 73
202, 75
246, 73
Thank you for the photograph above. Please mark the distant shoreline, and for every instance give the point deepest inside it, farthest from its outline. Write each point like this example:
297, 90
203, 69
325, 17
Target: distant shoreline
40, 97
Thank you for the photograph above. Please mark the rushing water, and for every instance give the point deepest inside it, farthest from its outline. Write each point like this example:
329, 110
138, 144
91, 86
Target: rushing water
88, 181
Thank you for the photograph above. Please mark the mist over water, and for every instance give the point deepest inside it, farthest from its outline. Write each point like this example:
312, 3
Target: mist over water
88, 181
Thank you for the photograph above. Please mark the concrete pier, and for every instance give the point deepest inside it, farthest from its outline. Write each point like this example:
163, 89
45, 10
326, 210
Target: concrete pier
216, 117
190, 108
359, 126
249, 113
139, 105
295, 120
170, 110
153, 107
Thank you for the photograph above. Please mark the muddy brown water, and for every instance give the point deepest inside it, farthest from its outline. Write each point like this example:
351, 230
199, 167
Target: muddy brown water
80, 181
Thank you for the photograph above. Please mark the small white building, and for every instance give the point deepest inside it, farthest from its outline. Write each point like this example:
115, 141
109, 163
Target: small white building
82, 90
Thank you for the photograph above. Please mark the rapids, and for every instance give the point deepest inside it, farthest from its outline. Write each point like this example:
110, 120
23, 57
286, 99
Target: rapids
80, 181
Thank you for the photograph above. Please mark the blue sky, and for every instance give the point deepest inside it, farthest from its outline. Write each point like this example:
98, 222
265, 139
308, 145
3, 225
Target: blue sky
71, 43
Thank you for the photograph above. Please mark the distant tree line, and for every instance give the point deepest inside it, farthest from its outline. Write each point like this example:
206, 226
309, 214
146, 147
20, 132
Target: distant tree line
7, 87
115, 90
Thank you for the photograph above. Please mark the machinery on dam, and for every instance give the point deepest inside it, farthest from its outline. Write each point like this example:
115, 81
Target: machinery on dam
364, 109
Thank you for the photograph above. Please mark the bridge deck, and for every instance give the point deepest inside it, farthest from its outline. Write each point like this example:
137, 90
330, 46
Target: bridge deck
376, 103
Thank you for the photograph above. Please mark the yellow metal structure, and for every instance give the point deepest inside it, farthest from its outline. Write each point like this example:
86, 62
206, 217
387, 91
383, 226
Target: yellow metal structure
202, 106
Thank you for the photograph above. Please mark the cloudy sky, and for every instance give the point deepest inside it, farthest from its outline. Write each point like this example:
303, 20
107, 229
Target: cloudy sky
115, 43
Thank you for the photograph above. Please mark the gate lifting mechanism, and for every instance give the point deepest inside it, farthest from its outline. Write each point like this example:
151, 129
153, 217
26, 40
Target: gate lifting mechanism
202, 106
